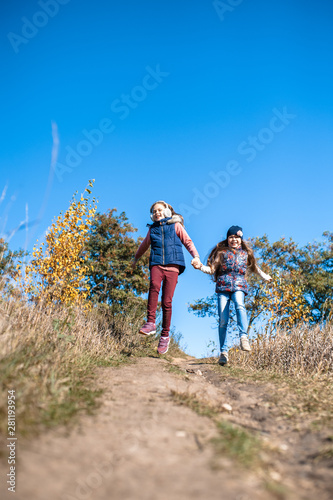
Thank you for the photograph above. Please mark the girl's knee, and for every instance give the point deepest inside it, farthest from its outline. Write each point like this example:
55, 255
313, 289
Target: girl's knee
167, 304
223, 323
240, 307
154, 287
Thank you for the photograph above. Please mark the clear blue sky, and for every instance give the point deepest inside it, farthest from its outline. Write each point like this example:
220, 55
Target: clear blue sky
225, 112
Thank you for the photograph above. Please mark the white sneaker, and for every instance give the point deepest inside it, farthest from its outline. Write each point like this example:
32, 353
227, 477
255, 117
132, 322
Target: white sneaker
244, 343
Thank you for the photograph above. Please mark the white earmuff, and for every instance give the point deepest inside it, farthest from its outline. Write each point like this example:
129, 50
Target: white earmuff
167, 212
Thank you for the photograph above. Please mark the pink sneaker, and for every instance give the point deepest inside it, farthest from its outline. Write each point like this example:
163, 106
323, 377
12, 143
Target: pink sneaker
163, 345
148, 329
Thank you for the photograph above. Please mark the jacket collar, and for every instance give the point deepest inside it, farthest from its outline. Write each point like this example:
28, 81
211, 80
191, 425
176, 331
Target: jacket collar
166, 220
234, 250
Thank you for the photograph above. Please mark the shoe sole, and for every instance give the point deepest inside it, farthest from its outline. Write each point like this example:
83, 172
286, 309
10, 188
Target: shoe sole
150, 333
163, 352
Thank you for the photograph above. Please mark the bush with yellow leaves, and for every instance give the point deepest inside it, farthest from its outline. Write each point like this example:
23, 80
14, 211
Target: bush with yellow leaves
58, 272
284, 302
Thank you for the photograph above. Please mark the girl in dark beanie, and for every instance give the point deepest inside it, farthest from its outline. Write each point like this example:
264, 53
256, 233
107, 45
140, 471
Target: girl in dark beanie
228, 262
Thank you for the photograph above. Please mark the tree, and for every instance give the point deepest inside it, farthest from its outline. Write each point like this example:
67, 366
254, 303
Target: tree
111, 249
58, 271
309, 267
316, 265
8, 259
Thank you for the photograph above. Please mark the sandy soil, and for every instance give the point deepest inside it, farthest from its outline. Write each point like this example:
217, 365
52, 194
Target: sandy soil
140, 444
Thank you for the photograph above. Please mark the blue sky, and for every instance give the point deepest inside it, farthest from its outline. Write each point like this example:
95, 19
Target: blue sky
223, 110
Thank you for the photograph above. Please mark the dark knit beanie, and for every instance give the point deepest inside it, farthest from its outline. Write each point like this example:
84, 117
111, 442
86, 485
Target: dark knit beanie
235, 230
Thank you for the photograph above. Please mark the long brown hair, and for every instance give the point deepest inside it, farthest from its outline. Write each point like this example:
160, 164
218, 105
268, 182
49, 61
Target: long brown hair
215, 259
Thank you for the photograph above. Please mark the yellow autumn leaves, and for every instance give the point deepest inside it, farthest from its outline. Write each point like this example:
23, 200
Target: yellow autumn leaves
57, 273
284, 302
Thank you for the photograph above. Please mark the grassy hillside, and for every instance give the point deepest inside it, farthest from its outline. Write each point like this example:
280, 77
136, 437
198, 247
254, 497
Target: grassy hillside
49, 357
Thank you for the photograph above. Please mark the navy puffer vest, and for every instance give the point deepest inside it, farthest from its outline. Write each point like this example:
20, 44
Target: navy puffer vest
166, 246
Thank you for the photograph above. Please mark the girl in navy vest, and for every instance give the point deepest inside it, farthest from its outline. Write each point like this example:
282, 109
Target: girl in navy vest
228, 262
165, 236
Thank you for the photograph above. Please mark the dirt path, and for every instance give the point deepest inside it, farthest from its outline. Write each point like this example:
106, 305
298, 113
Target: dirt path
141, 444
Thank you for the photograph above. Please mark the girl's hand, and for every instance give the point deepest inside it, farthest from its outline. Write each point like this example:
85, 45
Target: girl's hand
196, 263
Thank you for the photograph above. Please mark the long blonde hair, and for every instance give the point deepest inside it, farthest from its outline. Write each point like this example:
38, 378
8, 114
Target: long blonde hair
215, 259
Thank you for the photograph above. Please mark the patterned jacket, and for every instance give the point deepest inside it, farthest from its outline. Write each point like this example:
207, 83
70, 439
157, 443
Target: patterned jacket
232, 277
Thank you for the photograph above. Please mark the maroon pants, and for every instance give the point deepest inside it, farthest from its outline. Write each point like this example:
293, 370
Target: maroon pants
169, 278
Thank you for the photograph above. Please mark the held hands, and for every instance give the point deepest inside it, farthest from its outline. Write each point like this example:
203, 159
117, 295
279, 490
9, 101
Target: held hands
196, 263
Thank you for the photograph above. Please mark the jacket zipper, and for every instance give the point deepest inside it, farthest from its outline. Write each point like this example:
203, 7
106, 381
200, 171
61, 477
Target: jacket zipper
162, 245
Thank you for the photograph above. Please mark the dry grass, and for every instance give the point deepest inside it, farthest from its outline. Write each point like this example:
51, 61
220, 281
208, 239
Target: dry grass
305, 351
49, 357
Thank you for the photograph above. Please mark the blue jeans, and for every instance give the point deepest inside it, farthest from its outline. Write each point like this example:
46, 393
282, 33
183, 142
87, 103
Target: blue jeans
223, 304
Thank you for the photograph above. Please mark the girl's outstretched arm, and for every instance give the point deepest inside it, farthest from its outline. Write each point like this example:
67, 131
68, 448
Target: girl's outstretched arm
263, 275
145, 244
